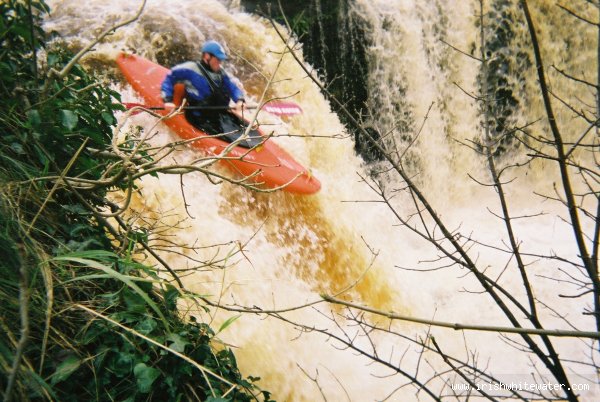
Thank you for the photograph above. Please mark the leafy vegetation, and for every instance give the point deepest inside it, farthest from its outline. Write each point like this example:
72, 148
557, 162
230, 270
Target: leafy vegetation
80, 318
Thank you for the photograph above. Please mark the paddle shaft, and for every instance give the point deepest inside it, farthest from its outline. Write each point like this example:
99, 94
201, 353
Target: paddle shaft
278, 108
132, 105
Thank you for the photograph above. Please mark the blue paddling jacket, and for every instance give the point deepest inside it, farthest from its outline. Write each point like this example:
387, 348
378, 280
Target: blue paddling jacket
203, 87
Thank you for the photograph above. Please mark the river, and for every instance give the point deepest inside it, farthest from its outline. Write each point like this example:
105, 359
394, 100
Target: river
282, 251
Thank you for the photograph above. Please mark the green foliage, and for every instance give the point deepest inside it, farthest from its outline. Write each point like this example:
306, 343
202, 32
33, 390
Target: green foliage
45, 123
112, 364
56, 259
45, 128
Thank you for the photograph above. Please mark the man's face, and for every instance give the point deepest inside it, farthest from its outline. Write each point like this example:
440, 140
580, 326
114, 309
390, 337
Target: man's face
213, 62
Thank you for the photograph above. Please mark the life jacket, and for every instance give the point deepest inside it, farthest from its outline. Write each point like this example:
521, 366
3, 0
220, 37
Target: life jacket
219, 95
208, 120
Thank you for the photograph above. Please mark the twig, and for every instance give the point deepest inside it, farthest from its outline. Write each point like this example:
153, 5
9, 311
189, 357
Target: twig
66, 69
60, 179
24, 313
470, 327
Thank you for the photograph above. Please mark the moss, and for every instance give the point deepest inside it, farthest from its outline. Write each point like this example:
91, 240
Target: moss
336, 44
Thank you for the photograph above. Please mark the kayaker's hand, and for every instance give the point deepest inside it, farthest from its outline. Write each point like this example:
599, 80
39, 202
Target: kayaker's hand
169, 106
239, 105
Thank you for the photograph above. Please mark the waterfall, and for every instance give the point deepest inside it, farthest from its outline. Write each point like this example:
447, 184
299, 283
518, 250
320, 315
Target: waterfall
295, 248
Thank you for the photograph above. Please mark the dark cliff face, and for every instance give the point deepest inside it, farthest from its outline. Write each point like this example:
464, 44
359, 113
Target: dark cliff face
335, 43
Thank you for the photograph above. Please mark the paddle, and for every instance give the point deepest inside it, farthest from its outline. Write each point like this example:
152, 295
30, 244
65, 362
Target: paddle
279, 108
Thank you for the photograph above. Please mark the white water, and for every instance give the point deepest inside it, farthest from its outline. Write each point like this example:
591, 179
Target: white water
296, 247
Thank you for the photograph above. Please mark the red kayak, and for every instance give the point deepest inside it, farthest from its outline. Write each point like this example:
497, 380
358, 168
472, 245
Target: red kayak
271, 165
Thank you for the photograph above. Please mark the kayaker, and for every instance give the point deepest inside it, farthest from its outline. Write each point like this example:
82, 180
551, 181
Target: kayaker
206, 84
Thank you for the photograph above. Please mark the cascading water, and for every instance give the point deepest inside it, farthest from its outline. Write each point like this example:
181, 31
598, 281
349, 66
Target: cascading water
297, 247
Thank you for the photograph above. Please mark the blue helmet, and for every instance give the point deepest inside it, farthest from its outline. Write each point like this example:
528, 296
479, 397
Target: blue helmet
215, 49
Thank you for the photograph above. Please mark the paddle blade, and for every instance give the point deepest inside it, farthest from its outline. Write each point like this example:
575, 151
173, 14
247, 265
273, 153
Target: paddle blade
281, 108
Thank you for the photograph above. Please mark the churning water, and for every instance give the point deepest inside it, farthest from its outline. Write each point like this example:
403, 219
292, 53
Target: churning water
282, 251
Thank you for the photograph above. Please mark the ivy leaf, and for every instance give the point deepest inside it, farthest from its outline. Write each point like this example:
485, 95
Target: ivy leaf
18, 148
33, 117
121, 364
69, 119
171, 294
135, 303
65, 369
147, 326
179, 343
53, 59
109, 118
145, 377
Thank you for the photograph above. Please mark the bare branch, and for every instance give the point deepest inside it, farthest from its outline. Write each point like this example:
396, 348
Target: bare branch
470, 327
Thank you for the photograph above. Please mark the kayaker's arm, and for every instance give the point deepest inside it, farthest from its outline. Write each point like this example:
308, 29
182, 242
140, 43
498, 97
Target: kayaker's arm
196, 86
235, 92
166, 89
